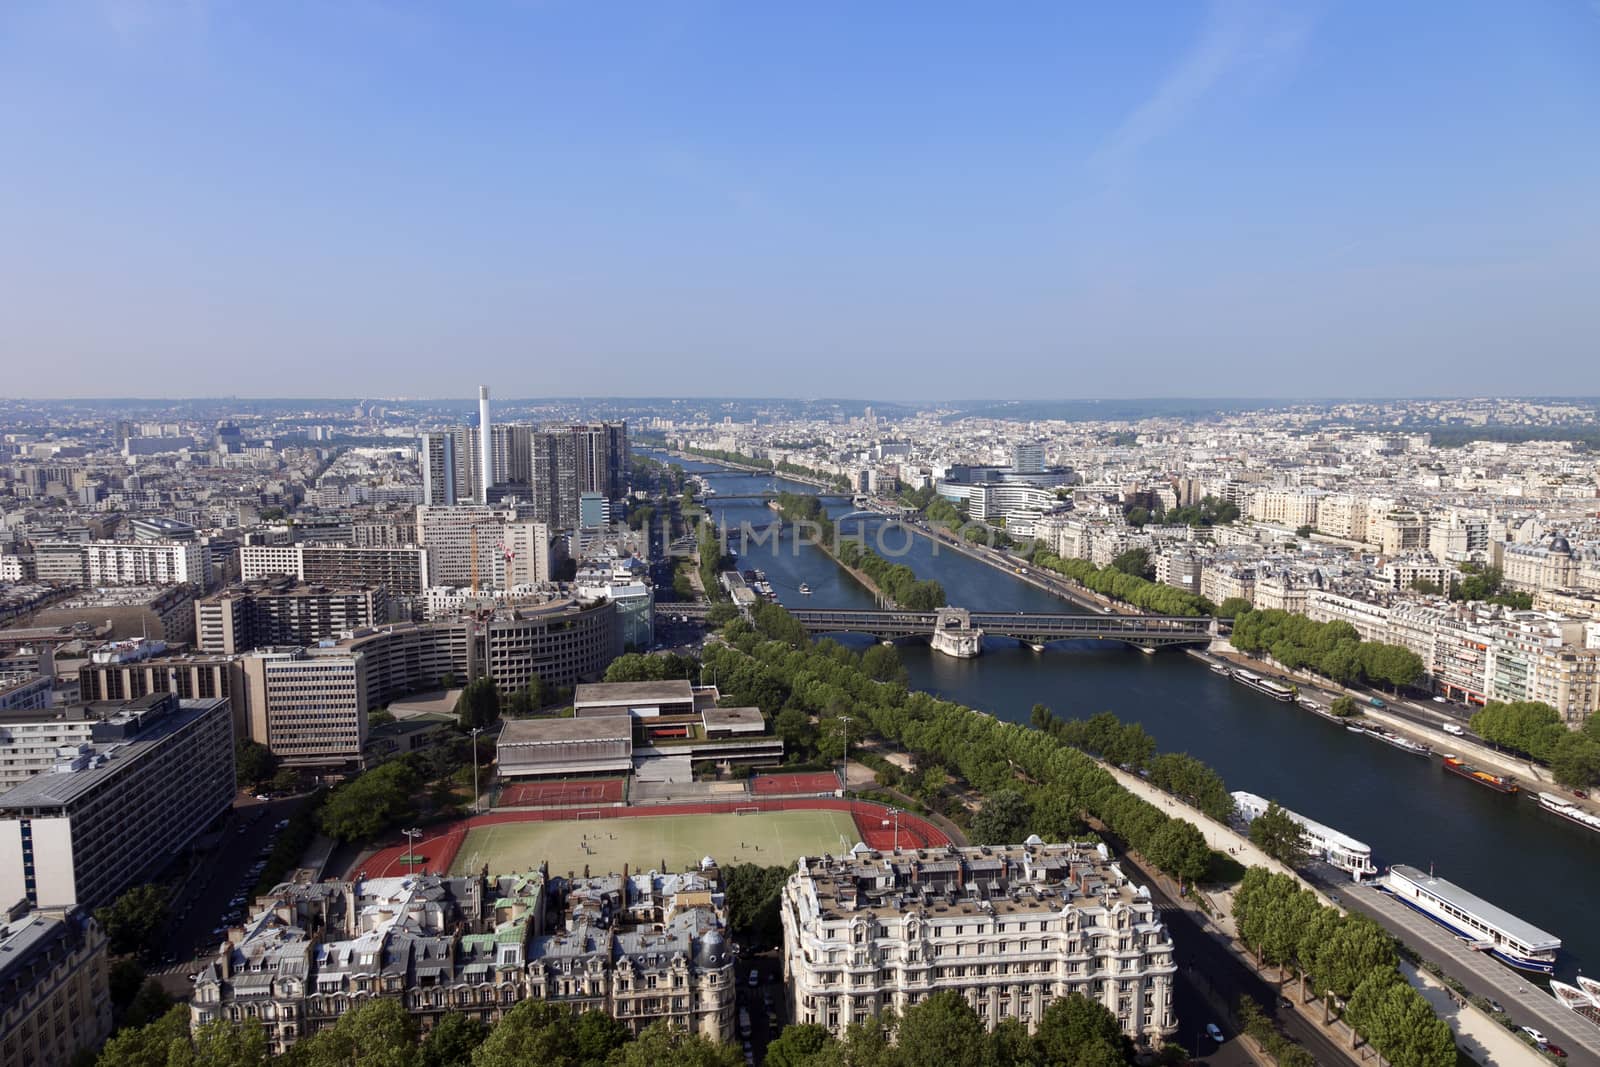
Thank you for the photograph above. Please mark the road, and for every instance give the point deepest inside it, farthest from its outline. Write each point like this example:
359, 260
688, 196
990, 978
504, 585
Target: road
1527, 1003
1211, 976
201, 907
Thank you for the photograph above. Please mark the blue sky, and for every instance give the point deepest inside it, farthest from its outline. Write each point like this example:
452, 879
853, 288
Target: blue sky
897, 200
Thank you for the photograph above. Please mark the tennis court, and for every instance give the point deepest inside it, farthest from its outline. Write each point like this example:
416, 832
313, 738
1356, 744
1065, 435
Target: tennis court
805, 783
644, 842
567, 792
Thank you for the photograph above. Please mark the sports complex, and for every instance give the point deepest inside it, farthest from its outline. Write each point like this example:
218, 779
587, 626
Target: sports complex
574, 825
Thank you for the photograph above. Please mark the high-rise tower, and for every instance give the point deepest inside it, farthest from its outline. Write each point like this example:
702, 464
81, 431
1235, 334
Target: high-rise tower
485, 446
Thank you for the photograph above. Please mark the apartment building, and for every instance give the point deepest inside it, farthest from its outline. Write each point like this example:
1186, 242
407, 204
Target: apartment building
145, 563
453, 536
283, 611
155, 774
1011, 928
1548, 564
401, 570
644, 948
55, 993
31, 740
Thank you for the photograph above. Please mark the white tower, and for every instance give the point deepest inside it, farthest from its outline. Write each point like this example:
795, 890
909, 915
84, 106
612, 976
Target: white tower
485, 445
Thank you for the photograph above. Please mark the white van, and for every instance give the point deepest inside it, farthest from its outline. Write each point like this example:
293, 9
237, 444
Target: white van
1452, 728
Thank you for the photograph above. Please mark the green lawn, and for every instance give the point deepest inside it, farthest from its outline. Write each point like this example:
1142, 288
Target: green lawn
643, 842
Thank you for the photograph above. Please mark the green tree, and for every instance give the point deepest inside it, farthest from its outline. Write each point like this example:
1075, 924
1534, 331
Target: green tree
1003, 819
1075, 1031
252, 763
371, 803
134, 919
1135, 561
754, 894
453, 1040
1279, 835
124, 980
1304, 532
1344, 707
660, 1045
942, 1029
479, 703
882, 664
1233, 607
149, 1004
221, 1043
150, 1045
1575, 760
378, 1033
719, 615
800, 1045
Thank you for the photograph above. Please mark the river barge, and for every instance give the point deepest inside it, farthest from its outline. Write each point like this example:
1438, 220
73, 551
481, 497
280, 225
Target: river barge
1484, 926
1498, 782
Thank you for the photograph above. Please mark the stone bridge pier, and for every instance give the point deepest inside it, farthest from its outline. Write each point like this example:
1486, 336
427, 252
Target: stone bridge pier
954, 634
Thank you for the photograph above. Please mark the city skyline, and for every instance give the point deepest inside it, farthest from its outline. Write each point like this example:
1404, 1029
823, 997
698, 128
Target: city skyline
1281, 200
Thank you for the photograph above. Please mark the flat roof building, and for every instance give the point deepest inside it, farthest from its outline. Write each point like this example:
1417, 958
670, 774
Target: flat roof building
155, 774
536, 748
1010, 928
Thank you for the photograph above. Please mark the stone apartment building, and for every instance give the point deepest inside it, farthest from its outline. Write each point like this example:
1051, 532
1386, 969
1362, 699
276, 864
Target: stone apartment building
1011, 928
642, 947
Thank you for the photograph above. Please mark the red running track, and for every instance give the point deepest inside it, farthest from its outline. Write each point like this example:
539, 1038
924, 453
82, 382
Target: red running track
802, 782
532, 794
439, 851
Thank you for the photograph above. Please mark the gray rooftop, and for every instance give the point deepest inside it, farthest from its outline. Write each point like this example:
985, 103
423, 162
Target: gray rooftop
535, 731
1524, 931
675, 690
61, 788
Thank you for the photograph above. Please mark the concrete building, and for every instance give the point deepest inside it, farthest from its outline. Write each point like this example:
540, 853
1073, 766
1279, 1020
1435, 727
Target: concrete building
145, 563
155, 775
644, 948
1549, 564
163, 612
312, 704
1010, 928
283, 611
401, 570
452, 535
436, 455
527, 553
31, 740
540, 748
26, 694
55, 993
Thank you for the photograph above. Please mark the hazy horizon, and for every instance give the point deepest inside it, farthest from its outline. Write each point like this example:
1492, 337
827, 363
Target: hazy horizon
1240, 199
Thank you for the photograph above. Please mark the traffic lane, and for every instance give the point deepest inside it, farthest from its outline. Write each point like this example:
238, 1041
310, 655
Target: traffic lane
1522, 997
250, 827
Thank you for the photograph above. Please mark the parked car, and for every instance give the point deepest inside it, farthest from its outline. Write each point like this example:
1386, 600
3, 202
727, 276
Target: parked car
1214, 1032
1538, 1038
1580, 794
1494, 1005
1555, 1050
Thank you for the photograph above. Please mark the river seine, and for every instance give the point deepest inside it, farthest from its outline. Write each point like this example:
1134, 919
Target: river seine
1504, 848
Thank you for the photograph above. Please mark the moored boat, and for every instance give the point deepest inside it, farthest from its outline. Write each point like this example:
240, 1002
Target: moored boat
1498, 782
1484, 925
1404, 744
1341, 850
1565, 808
1576, 999
1219, 668
1265, 685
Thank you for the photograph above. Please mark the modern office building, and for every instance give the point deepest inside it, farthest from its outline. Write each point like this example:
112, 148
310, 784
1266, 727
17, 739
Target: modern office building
55, 991
313, 703
284, 611
644, 948
1010, 928
112, 813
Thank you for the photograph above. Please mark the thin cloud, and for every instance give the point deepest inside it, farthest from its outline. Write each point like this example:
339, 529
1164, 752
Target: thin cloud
1238, 37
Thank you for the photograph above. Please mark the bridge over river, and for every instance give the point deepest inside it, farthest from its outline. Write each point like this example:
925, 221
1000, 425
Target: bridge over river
959, 632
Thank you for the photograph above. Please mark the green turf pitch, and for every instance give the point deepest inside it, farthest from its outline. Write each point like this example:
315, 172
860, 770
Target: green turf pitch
642, 842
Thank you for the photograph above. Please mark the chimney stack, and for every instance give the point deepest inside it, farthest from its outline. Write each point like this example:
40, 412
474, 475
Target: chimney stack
485, 445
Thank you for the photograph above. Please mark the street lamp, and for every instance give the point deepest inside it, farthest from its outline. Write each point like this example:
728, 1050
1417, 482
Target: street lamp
846, 720
411, 836
476, 730
894, 813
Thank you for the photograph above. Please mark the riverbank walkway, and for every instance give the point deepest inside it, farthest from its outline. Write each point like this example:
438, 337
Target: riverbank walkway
1488, 1041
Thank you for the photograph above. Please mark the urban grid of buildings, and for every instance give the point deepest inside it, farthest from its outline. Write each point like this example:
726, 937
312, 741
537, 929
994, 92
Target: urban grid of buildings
173, 584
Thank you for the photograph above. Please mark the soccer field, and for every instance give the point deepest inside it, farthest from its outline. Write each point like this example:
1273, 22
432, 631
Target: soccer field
643, 842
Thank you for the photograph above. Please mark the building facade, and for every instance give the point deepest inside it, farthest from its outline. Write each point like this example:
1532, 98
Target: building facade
55, 994
644, 948
156, 774
282, 611
1010, 928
